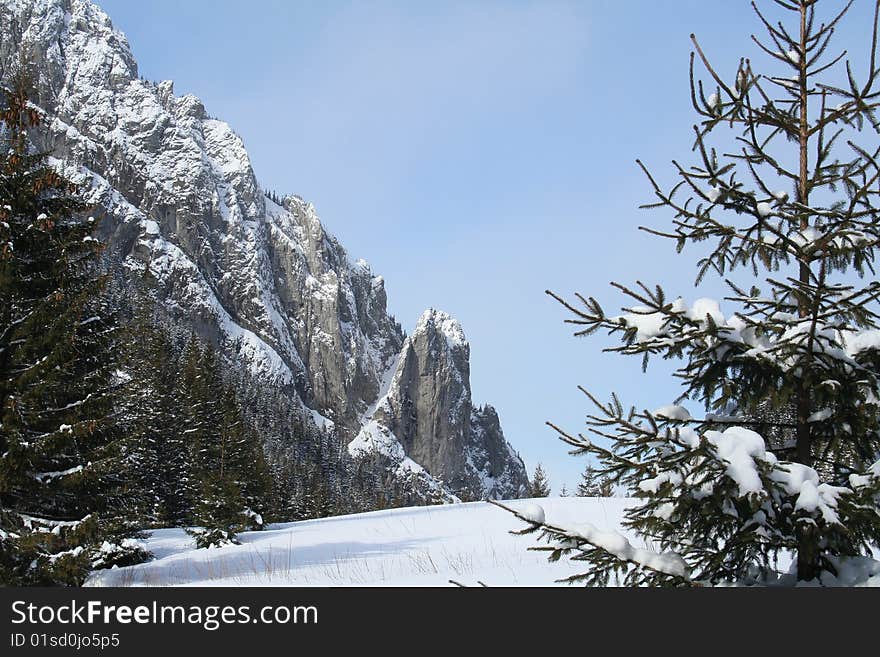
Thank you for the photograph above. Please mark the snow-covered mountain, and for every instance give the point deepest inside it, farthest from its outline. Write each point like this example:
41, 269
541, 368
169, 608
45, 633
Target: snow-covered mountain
263, 281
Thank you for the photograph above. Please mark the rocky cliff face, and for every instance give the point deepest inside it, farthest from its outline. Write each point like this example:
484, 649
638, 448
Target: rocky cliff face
427, 414
262, 281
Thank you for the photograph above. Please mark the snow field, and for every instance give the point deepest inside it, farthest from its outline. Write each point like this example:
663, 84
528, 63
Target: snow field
418, 546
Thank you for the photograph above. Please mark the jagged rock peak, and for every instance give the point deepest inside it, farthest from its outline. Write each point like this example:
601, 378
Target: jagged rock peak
427, 416
44, 29
438, 322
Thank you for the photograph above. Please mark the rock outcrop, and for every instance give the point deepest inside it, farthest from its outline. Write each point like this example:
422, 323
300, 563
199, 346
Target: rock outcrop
427, 414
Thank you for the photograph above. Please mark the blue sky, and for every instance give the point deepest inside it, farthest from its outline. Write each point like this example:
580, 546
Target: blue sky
476, 154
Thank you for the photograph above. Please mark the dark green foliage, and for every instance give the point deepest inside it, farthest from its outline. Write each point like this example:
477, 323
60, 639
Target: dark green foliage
61, 471
162, 487
311, 472
229, 461
196, 460
592, 484
539, 486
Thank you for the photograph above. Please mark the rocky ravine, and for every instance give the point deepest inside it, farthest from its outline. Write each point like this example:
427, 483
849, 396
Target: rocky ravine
264, 282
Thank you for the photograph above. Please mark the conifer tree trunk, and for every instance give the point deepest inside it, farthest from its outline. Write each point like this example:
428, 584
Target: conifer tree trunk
803, 451
803, 397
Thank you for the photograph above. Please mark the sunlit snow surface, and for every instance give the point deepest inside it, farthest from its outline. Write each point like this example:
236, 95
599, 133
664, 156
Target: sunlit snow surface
417, 546
420, 546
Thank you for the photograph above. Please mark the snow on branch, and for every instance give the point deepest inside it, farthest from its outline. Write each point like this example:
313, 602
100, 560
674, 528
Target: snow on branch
611, 542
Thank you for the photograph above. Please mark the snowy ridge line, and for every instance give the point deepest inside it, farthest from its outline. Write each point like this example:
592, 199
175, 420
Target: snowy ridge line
449, 327
430, 509
483, 461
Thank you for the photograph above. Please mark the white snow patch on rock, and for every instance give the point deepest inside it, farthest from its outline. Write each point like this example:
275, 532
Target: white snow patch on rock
445, 324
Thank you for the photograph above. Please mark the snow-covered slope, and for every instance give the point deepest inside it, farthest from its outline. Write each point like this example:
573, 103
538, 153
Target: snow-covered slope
261, 280
422, 546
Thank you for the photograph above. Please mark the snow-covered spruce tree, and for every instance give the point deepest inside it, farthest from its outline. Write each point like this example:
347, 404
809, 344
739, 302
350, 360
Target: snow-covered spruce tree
540, 484
61, 511
791, 199
157, 453
227, 457
593, 485
234, 476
